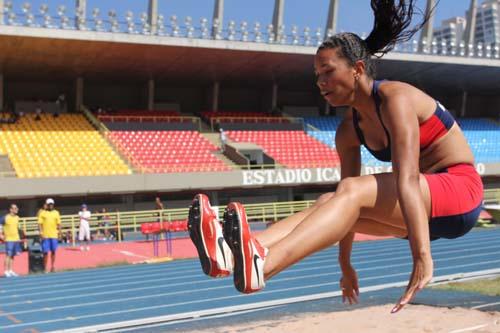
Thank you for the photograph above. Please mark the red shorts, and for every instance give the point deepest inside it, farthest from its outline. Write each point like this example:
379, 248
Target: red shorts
456, 200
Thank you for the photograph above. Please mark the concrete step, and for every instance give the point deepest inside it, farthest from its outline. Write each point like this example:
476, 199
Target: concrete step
213, 138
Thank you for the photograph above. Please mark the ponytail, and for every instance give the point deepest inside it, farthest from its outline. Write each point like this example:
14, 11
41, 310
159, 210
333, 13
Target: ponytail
390, 24
392, 18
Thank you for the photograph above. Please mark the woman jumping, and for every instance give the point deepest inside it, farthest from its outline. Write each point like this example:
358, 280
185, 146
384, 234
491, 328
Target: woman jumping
433, 191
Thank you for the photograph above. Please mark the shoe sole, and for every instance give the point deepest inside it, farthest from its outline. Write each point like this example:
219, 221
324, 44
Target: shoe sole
234, 237
195, 233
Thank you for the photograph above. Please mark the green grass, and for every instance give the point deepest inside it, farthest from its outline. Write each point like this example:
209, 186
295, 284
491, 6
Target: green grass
490, 287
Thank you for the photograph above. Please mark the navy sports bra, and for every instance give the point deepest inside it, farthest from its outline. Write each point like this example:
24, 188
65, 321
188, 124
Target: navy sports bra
430, 130
383, 154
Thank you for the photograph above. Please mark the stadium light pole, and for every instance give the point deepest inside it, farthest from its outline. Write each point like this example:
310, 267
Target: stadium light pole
218, 16
153, 16
427, 30
331, 22
279, 9
81, 8
470, 27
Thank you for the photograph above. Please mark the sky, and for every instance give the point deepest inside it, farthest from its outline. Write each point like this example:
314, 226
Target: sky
354, 15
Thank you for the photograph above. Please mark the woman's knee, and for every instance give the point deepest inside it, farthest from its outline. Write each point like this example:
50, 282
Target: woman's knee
324, 198
349, 187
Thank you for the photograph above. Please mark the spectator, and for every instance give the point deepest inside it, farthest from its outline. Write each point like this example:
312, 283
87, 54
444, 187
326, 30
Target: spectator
104, 223
49, 222
84, 232
159, 204
61, 105
9, 233
223, 140
38, 113
66, 237
44, 207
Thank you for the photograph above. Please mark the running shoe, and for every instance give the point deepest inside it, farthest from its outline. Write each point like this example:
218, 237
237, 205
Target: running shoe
206, 233
248, 254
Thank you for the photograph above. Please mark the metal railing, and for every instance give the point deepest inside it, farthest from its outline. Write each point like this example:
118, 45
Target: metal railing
216, 120
492, 196
233, 31
122, 222
130, 221
154, 119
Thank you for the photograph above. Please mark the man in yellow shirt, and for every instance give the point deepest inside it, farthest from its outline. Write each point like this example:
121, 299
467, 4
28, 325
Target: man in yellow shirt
10, 234
49, 222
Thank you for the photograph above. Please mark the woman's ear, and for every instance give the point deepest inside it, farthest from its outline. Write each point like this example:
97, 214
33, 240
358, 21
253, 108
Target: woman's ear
359, 69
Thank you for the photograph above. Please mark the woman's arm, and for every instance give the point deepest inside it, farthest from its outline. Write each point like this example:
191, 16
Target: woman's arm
402, 124
347, 145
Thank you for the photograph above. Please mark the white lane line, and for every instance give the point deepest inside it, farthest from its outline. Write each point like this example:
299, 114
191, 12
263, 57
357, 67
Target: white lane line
470, 329
190, 291
485, 305
310, 261
281, 278
130, 254
221, 310
141, 270
360, 249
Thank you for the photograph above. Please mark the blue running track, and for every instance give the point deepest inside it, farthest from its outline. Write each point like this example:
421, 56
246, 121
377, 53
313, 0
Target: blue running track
179, 290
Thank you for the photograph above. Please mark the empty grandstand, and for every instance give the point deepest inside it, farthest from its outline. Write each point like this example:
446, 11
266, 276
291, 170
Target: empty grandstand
61, 146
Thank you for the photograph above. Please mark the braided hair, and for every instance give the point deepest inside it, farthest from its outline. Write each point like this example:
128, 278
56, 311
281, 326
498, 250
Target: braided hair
392, 18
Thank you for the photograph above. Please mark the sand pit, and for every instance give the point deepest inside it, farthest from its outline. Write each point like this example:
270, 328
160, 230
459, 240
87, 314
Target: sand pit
413, 319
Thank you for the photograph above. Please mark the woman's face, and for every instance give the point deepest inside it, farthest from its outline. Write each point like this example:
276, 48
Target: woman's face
334, 77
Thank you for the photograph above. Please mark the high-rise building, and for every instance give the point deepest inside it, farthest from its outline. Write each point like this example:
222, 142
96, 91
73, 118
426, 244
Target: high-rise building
487, 23
451, 30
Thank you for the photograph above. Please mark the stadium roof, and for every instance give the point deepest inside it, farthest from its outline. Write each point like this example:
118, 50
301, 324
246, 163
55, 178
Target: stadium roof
41, 53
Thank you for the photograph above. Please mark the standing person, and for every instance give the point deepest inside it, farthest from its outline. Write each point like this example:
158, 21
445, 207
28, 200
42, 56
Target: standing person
433, 191
84, 231
158, 204
49, 223
9, 232
61, 105
105, 223
44, 207
223, 140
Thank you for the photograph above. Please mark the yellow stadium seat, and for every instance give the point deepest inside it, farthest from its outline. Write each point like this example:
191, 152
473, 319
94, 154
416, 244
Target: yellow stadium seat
58, 147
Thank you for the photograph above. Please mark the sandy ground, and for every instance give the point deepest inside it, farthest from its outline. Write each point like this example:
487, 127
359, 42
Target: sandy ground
413, 319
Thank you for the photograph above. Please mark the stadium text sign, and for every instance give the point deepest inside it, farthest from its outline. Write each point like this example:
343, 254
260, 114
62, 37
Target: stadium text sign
298, 176
290, 176
304, 176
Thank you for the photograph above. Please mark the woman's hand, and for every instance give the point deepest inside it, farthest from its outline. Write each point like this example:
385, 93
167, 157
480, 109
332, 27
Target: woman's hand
349, 285
420, 277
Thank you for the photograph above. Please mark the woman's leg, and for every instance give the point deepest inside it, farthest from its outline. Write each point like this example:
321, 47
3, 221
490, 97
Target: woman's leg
281, 229
366, 198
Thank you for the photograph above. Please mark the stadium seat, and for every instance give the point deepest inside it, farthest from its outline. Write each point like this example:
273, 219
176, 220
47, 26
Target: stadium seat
482, 135
168, 151
59, 147
293, 149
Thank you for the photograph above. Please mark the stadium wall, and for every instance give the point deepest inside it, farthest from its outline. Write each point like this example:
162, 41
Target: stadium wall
34, 187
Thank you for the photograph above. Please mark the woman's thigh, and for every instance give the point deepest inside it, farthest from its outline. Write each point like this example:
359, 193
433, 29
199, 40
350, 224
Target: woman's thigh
379, 199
